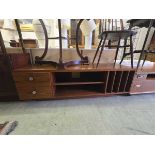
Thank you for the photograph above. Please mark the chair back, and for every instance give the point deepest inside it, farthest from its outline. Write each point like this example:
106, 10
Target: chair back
111, 25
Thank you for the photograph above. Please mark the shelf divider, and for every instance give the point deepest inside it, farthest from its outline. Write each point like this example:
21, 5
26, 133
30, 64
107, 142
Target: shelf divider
106, 82
117, 81
77, 83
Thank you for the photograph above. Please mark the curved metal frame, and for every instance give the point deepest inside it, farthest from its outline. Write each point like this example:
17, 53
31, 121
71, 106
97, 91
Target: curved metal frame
83, 59
39, 60
46, 41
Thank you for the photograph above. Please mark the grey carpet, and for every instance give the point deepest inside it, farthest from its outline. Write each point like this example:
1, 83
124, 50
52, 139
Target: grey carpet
102, 115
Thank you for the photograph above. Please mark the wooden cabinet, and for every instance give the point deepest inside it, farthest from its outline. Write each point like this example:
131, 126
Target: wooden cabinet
37, 82
34, 85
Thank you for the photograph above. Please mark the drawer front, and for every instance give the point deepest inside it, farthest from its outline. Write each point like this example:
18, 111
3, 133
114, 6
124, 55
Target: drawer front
44, 77
35, 93
31, 77
143, 87
136, 87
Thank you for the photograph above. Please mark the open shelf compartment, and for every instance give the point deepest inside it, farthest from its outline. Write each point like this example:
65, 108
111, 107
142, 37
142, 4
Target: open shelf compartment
68, 84
80, 83
79, 77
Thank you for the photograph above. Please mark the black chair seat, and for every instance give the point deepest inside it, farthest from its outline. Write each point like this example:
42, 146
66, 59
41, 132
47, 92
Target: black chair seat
116, 35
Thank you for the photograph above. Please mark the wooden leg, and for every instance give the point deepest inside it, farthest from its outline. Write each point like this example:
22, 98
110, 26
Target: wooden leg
117, 51
97, 50
148, 32
144, 59
131, 51
109, 44
124, 51
101, 50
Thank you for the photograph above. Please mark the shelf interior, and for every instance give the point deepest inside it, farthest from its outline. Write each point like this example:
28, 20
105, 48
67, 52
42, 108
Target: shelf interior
79, 90
150, 77
92, 83
77, 83
64, 77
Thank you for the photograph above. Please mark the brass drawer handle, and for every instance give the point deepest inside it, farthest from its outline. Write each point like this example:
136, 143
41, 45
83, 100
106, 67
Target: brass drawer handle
30, 78
34, 92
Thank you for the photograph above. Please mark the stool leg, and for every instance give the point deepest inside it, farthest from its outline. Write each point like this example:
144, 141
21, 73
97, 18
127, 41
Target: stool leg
101, 50
117, 51
97, 50
124, 51
131, 51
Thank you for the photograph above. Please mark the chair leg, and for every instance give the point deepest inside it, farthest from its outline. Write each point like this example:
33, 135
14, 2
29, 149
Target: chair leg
144, 59
131, 51
117, 51
101, 50
132, 58
109, 44
122, 59
124, 51
146, 37
97, 50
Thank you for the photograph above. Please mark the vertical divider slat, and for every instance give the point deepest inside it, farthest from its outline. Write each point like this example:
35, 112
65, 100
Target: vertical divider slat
120, 81
126, 81
117, 81
53, 83
113, 82
123, 81
106, 82
130, 78
110, 81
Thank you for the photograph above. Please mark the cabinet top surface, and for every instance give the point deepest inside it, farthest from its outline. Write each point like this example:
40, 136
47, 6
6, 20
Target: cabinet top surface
76, 68
147, 69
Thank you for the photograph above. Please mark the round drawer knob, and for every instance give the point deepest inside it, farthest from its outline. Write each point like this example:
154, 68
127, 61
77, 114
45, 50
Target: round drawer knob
34, 92
30, 78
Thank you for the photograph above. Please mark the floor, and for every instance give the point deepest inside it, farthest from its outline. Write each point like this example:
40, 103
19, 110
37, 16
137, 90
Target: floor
102, 115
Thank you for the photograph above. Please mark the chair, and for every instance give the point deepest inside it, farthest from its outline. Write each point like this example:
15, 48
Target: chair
142, 23
111, 36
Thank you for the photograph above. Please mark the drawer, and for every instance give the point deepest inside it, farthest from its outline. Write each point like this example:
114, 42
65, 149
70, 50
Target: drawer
31, 77
143, 87
42, 77
35, 93
136, 87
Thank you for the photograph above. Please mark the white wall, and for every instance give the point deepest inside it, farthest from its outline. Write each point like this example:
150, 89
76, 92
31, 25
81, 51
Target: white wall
68, 54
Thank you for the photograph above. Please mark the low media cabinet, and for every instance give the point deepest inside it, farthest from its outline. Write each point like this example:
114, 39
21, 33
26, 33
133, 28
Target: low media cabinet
47, 82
